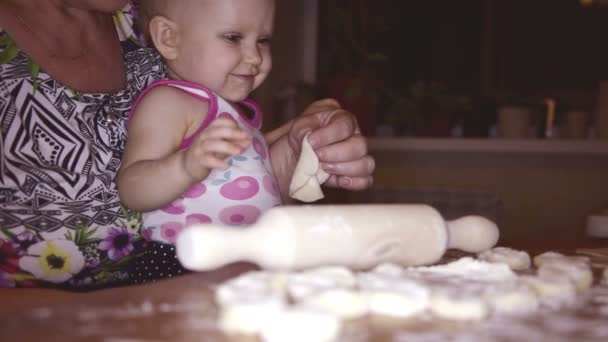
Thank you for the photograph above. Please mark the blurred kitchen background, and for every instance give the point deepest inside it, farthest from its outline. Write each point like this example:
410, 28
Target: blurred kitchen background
492, 107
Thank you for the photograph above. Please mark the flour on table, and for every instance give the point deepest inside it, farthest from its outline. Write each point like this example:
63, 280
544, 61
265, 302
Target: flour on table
306, 283
464, 269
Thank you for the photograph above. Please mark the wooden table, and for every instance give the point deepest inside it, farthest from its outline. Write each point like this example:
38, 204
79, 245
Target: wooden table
179, 309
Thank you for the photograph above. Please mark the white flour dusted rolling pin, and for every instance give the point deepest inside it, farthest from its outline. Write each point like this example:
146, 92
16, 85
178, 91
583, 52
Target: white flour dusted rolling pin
357, 236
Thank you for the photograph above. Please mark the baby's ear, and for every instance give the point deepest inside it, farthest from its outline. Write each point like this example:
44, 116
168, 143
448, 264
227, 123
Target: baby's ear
164, 34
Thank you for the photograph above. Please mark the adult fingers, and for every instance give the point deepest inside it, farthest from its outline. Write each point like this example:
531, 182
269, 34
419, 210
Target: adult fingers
350, 183
353, 148
321, 106
334, 126
362, 167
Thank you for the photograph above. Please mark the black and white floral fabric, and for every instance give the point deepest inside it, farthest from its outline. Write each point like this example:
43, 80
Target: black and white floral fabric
61, 223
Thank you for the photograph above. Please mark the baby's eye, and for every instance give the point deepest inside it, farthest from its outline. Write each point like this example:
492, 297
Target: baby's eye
264, 40
232, 37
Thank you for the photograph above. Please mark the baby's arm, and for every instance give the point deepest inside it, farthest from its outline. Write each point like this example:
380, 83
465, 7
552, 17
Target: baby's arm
154, 170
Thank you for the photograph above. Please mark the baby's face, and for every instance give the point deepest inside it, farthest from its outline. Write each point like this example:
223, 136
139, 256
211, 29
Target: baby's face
225, 45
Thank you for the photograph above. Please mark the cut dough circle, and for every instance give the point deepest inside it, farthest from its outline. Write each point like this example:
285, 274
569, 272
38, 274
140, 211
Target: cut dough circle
250, 317
461, 304
393, 296
512, 298
579, 273
540, 259
308, 175
250, 301
553, 290
517, 260
343, 303
301, 325
575, 268
251, 287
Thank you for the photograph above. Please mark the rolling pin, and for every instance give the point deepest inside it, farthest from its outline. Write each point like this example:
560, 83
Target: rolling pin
358, 236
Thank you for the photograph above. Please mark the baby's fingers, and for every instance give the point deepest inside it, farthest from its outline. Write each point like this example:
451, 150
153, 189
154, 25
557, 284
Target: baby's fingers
227, 132
214, 161
220, 147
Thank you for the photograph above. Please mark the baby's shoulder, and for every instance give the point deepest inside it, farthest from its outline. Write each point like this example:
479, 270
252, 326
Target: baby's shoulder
167, 100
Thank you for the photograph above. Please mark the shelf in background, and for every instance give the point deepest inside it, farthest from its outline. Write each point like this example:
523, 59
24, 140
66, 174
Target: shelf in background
523, 146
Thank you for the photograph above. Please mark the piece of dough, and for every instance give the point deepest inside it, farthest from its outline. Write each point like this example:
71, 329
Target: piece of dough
252, 286
393, 296
249, 317
512, 298
308, 175
576, 268
553, 290
250, 301
342, 303
460, 303
578, 272
517, 260
540, 259
301, 325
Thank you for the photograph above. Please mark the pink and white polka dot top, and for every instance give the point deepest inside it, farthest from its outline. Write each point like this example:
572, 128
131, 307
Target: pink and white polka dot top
236, 196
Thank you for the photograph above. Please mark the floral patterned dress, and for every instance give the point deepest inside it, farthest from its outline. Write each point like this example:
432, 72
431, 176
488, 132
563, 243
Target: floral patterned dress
61, 223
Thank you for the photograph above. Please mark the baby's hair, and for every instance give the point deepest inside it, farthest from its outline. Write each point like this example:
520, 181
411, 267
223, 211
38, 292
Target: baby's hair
147, 10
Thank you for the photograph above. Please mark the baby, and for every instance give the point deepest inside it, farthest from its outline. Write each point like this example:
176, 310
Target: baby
195, 152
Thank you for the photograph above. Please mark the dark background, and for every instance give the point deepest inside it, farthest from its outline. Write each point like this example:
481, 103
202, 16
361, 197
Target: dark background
412, 63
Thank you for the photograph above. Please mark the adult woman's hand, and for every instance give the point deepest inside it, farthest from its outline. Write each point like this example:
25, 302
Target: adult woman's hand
335, 137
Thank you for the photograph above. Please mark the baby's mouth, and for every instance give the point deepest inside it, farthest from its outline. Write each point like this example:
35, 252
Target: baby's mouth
244, 77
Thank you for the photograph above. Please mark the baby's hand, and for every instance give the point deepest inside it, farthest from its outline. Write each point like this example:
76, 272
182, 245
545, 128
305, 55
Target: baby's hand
223, 138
